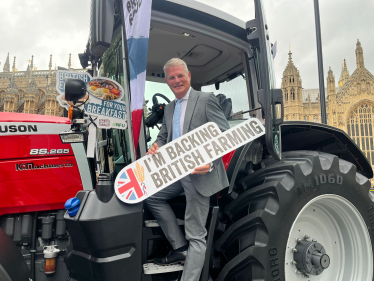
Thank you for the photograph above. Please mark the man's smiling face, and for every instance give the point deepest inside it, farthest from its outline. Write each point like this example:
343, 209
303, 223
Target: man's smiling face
179, 80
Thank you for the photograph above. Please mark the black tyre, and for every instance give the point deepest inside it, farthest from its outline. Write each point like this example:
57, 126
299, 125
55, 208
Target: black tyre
309, 215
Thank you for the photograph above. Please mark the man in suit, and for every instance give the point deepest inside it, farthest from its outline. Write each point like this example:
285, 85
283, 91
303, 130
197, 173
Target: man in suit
188, 111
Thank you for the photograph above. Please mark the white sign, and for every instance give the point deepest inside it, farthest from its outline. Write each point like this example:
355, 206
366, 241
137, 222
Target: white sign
103, 99
179, 158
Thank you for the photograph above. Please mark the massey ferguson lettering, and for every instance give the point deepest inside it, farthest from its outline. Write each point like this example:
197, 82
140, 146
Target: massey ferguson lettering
19, 128
32, 166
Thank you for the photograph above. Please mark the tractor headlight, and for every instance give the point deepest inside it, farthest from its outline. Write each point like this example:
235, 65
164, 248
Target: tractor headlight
73, 136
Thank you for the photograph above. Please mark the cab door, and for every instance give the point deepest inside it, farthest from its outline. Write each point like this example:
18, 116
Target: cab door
271, 99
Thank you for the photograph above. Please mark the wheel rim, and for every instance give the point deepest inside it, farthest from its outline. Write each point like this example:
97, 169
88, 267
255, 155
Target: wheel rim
336, 224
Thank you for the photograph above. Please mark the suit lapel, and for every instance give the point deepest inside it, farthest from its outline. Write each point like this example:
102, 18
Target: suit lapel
192, 99
169, 110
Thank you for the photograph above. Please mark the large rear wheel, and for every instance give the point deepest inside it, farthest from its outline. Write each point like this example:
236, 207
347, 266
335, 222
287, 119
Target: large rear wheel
307, 217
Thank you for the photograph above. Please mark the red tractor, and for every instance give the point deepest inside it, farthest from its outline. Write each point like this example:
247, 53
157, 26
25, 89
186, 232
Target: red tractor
298, 205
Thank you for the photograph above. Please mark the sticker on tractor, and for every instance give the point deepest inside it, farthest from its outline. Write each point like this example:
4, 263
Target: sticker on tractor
103, 98
179, 158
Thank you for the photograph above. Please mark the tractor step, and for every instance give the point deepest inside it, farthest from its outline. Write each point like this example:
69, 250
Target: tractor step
154, 223
152, 268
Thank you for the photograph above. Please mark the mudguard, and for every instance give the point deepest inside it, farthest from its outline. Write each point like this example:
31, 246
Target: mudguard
300, 135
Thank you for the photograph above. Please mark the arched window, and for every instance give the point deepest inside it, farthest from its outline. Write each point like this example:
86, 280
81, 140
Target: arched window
293, 79
290, 80
293, 117
360, 129
306, 118
292, 94
286, 95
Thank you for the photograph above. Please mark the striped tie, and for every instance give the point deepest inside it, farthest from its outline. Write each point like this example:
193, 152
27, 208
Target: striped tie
176, 120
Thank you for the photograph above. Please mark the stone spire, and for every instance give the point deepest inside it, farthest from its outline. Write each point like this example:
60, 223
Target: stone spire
51, 85
330, 82
291, 82
32, 87
50, 65
344, 76
69, 64
31, 66
12, 87
11, 95
290, 65
359, 55
6, 67
14, 65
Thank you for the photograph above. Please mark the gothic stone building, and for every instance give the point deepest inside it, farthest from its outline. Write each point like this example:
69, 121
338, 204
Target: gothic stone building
350, 106
31, 91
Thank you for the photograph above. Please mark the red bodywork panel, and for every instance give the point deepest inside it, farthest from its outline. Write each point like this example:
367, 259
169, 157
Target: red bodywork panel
37, 171
23, 117
227, 159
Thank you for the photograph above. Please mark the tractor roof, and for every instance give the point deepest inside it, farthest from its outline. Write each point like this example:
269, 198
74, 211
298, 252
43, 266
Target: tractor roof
211, 42
209, 10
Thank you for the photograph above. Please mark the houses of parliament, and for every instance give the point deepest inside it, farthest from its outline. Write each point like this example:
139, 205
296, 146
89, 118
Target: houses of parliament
32, 91
349, 103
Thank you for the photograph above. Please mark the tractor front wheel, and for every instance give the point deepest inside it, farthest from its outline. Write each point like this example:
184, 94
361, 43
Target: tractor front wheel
307, 217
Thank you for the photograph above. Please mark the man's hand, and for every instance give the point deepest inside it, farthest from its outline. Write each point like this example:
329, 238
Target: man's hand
201, 170
153, 149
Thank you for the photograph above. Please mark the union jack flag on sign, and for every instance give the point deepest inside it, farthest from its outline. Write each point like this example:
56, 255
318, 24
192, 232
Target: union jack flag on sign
104, 122
129, 187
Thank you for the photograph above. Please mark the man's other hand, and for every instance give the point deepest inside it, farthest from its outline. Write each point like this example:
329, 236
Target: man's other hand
153, 149
201, 170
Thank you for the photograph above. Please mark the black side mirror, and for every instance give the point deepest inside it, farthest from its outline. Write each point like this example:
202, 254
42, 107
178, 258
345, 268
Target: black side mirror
75, 89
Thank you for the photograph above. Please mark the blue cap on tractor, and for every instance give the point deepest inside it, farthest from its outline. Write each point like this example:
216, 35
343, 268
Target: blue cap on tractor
72, 206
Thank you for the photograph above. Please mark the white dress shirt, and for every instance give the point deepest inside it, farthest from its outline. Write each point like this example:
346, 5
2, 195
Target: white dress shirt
183, 108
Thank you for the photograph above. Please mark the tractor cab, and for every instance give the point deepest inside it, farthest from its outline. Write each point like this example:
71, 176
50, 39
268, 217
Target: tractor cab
110, 238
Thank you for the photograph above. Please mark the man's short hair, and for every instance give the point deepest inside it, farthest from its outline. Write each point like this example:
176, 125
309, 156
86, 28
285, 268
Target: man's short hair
175, 62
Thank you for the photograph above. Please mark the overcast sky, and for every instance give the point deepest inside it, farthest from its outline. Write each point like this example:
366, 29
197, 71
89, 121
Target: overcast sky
41, 28
44, 27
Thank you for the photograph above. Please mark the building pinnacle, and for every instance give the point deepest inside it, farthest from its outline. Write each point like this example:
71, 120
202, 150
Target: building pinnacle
6, 67
359, 55
14, 65
344, 76
69, 64
31, 65
50, 62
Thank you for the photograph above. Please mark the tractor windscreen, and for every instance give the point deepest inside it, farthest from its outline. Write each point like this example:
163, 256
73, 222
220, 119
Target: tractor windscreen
116, 155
